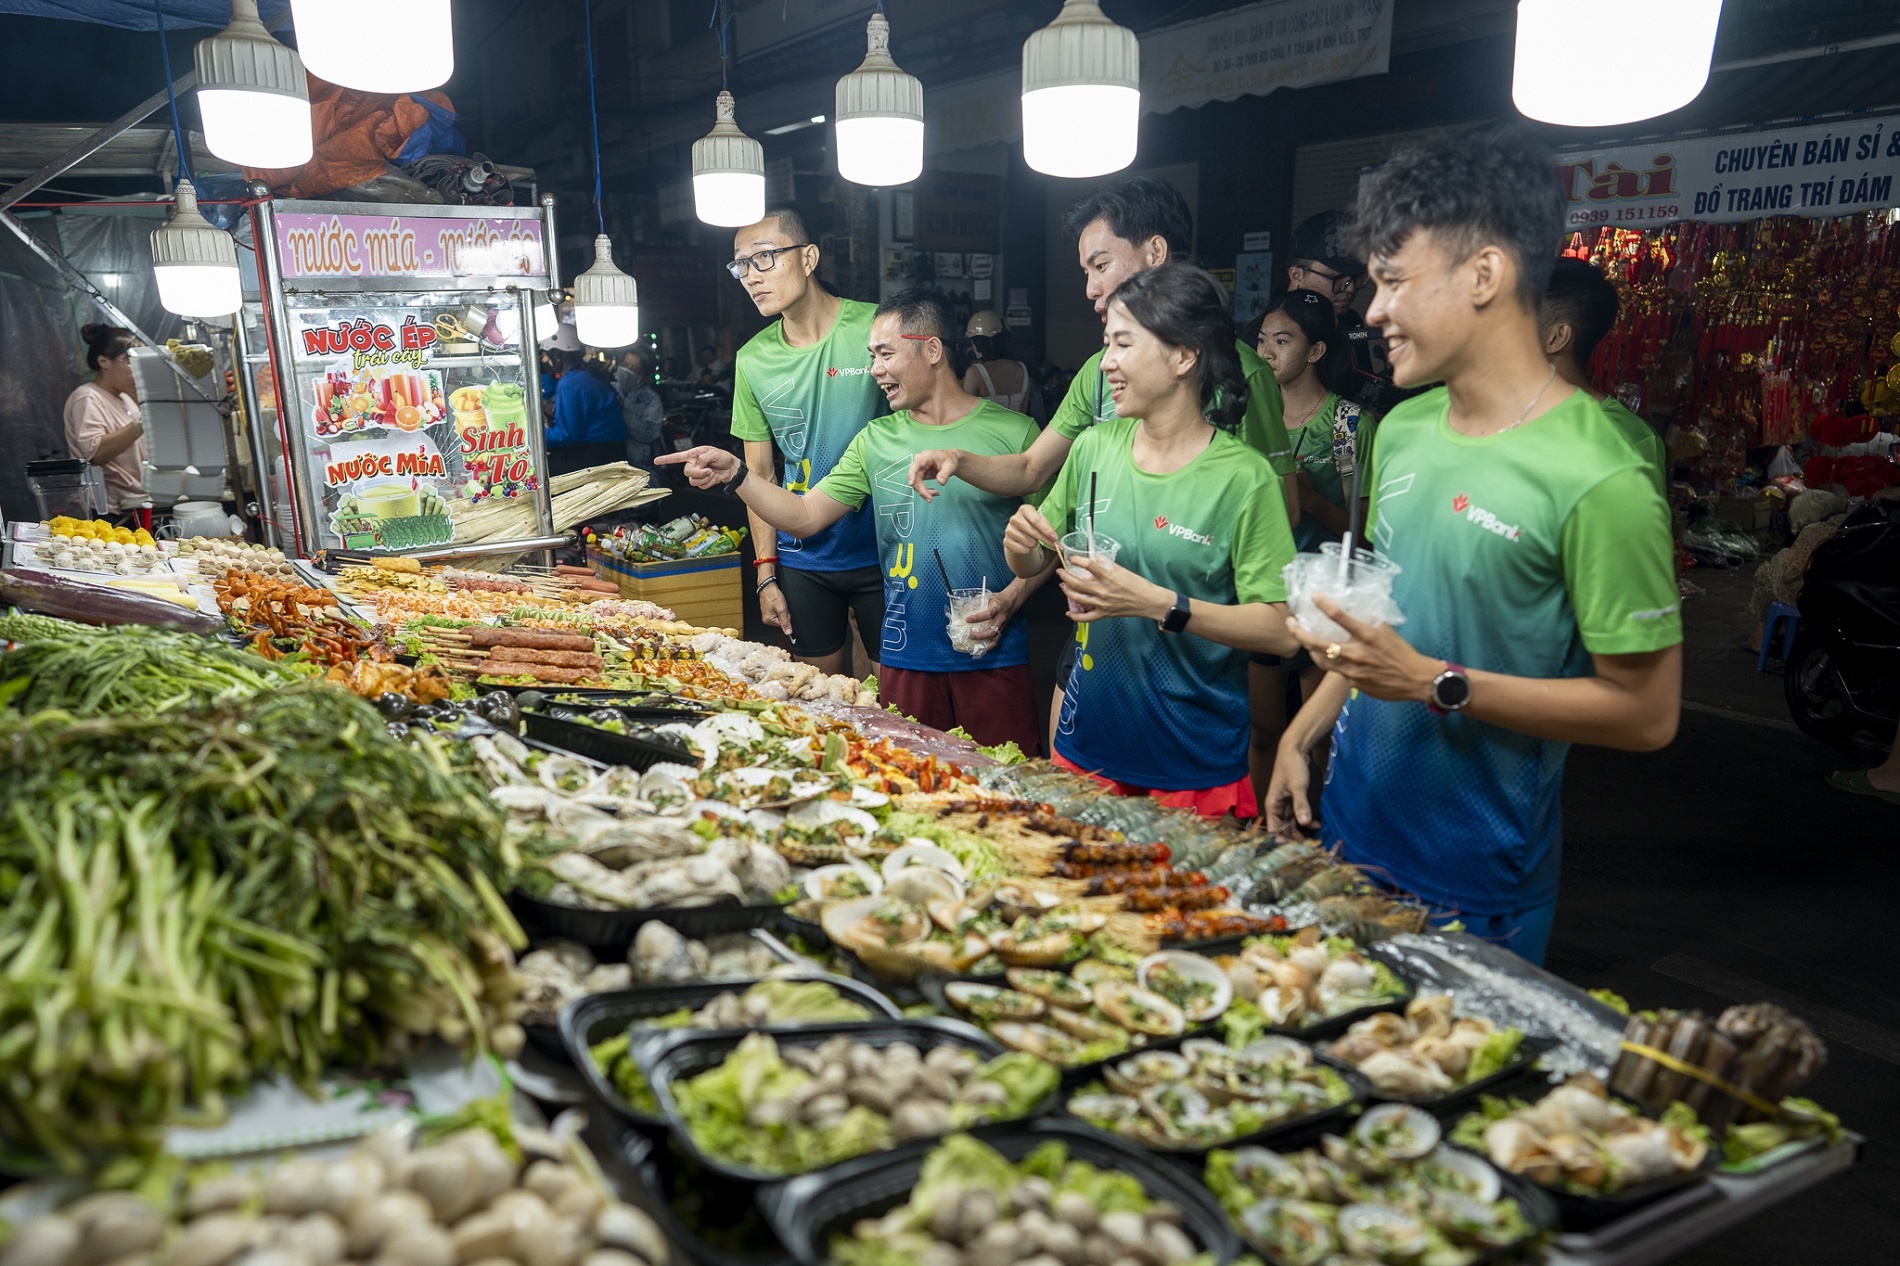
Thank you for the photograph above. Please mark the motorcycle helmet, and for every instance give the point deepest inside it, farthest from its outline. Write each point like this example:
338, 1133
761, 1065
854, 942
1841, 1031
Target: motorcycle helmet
984, 324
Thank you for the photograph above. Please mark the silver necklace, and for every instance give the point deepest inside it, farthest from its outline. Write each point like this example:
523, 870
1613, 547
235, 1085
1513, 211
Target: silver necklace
1524, 416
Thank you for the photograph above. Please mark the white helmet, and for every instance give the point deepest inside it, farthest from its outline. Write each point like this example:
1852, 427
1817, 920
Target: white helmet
984, 324
562, 340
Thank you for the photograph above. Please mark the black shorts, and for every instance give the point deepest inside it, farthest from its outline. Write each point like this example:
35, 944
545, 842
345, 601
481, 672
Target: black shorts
1065, 663
821, 602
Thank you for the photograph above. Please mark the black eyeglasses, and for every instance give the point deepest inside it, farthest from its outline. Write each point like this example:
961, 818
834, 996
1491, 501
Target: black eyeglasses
763, 261
1341, 282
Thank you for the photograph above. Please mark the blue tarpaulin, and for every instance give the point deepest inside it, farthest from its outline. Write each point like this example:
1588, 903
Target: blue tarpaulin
139, 16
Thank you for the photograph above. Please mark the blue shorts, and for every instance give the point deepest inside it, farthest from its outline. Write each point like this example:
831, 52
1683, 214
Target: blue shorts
1525, 933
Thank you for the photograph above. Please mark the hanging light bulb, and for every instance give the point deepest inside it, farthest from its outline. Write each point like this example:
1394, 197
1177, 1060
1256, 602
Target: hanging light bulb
880, 116
728, 172
195, 261
385, 46
1081, 94
606, 301
1588, 73
252, 95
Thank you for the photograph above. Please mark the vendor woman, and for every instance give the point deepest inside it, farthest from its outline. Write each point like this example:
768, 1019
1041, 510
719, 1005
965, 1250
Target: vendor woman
102, 416
1157, 701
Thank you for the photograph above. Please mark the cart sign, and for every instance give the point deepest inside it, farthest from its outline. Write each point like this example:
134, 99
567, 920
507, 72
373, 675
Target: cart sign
321, 245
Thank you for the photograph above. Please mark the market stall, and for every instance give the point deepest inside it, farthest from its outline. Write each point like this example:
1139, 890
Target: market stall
826, 985
403, 340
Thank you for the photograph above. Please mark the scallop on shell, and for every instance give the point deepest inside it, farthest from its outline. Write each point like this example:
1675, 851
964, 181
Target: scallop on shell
1201, 1005
1140, 1010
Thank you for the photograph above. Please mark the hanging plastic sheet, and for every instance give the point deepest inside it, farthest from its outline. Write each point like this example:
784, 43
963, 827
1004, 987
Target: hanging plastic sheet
115, 253
39, 367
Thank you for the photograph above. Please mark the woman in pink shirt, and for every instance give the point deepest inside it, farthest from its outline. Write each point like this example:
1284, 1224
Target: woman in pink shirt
102, 416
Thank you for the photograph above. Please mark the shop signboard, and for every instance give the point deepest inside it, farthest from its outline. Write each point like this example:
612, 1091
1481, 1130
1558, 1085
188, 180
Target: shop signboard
1258, 49
404, 418
959, 212
332, 246
1838, 168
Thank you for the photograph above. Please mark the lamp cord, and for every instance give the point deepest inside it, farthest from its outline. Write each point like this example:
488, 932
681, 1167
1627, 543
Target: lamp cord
714, 24
593, 112
178, 131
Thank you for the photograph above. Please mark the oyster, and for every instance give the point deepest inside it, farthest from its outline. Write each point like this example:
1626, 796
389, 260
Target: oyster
1140, 1010
987, 1002
1092, 971
1190, 981
1052, 987
1084, 1027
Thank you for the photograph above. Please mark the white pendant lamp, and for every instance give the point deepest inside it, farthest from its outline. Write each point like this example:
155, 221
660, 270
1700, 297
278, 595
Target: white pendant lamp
252, 95
880, 116
1577, 64
1081, 94
728, 172
385, 46
195, 261
606, 301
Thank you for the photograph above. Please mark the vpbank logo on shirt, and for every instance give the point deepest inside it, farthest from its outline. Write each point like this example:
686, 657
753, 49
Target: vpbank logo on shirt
1481, 517
848, 371
1175, 529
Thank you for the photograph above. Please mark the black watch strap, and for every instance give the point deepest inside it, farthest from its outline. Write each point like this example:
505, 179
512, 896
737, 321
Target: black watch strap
1176, 620
732, 484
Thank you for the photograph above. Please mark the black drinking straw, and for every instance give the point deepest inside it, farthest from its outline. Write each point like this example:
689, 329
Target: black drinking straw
1091, 514
942, 570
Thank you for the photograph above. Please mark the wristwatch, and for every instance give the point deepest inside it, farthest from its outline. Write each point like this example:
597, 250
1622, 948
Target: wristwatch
1451, 690
1177, 617
732, 484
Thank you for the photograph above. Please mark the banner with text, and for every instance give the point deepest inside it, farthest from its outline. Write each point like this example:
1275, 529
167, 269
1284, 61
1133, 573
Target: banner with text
1818, 171
1261, 48
323, 245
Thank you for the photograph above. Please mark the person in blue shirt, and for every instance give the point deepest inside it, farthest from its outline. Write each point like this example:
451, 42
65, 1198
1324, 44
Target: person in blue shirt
587, 429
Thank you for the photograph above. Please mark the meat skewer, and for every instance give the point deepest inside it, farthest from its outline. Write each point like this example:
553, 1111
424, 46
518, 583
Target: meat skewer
535, 639
563, 659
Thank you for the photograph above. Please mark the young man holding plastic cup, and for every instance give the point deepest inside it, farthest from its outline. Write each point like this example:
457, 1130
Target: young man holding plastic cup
937, 556
1532, 546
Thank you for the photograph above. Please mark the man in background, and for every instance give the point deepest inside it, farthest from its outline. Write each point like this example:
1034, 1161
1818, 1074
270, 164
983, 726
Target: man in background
1322, 263
1577, 311
641, 409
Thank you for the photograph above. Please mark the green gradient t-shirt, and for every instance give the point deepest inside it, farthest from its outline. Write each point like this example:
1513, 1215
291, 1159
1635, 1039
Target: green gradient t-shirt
963, 523
1317, 448
1169, 710
1642, 437
811, 401
1088, 404
1525, 553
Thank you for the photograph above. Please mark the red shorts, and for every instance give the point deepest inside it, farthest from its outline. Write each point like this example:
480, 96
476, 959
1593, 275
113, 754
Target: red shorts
993, 705
1210, 802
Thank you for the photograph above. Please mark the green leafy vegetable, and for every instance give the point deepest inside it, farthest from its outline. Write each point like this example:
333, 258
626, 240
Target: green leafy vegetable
1493, 1053
1004, 753
1611, 999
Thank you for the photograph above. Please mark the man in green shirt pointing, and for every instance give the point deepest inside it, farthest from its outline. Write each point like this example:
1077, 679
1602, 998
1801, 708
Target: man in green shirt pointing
1122, 229
979, 678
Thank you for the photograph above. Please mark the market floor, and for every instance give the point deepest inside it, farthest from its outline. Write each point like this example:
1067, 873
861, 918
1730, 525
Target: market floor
1723, 870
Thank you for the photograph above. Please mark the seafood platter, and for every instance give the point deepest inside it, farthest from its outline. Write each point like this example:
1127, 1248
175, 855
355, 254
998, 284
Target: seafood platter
828, 986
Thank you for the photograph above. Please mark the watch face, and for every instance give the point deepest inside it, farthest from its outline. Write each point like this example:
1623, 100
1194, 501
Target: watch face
1452, 690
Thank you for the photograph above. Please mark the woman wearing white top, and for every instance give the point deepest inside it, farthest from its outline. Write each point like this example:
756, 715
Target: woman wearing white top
995, 376
102, 417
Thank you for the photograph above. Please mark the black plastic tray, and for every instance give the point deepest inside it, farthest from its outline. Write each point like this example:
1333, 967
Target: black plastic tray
1453, 1101
611, 932
1283, 1128
604, 745
807, 1211
666, 1057
585, 1022
668, 1179
1539, 1210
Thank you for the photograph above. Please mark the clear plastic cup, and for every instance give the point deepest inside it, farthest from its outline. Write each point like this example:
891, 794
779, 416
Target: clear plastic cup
1079, 549
1363, 589
965, 603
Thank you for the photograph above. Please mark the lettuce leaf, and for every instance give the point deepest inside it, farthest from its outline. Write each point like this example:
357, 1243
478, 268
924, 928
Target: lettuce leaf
1242, 1023
1027, 1080
1469, 1132
1227, 1186
1493, 1053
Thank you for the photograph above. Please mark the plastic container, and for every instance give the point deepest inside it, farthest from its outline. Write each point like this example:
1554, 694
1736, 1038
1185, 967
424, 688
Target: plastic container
1517, 1067
587, 1022
679, 1193
636, 752
1363, 589
1079, 548
807, 1211
669, 1057
609, 933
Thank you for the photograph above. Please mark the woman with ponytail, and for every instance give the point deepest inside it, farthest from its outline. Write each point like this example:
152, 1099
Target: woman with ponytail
1157, 701
103, 424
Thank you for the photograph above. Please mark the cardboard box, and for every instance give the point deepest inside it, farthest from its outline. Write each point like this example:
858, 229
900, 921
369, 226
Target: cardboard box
1747, 513
702, 591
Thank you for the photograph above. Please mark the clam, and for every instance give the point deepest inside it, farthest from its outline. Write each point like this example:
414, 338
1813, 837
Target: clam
1190, 981
666, 785
1092, 971
1053, 987
735, 728
987, 1002
843, 881
1295, 1232
811, 814
1140, 1010
1105, 1111
866, 798
1084, 1027
1151, 1068
1268, 1173
874, 921
1037, 951
1398, 1130
1038, 1039
1470, 1221
921, 852
921, 884
1208, 1055
1459, 1173
1274, 1051
1381, 1232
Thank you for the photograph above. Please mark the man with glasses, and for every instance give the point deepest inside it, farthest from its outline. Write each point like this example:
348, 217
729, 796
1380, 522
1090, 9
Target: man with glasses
1322, 264
804, 382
